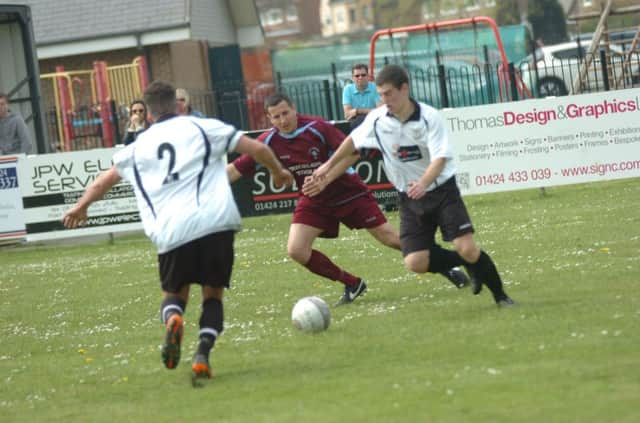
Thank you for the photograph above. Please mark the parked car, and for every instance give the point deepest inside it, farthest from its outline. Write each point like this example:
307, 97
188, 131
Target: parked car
559, 65
620, 38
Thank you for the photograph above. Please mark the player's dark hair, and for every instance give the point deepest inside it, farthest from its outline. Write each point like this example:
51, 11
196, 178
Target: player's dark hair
275, 99
360, 66
160, 97
394, 75
3, 95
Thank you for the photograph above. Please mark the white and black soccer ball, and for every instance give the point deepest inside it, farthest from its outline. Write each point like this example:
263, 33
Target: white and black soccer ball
311, 314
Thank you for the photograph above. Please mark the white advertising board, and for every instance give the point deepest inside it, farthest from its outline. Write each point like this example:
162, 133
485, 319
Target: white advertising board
12, 225
546, 142
498, 147
52, 183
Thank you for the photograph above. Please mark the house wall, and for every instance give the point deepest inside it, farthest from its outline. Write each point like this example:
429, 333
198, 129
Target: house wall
211, 20
189, 65
336, 17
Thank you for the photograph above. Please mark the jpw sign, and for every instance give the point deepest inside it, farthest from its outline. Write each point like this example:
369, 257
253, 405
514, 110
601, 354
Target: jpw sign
52, 183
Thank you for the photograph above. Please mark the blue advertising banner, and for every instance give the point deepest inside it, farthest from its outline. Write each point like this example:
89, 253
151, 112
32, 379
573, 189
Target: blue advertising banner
12, 225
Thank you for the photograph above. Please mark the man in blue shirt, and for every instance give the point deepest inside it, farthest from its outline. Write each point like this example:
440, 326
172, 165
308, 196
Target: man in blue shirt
360, 97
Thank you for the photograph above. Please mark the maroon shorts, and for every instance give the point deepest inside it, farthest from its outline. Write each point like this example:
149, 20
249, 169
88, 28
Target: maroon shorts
361, 212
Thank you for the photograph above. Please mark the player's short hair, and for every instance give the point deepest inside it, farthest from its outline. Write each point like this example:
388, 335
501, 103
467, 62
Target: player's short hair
160, 97
275, 99
392, 74
360, 66
5, 96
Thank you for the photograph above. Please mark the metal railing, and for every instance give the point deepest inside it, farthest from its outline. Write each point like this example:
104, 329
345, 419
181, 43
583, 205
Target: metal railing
242, 104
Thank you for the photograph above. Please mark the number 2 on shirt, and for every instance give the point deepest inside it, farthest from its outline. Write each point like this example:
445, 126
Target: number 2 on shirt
171, 176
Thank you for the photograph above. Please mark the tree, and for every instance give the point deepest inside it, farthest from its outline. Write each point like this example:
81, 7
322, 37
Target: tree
506, 13
394, 13
548, 21
546, 17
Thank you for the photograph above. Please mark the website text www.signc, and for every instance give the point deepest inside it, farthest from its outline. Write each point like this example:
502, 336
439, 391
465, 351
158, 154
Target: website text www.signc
601, 169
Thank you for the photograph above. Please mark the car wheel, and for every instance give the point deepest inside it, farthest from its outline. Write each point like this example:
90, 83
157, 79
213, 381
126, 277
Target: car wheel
548, 87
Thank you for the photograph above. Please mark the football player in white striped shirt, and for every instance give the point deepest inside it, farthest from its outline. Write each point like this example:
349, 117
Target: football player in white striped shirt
177, 170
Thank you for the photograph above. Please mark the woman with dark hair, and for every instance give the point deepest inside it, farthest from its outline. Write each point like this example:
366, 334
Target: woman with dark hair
137, 121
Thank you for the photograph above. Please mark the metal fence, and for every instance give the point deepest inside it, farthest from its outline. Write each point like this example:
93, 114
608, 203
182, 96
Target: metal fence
242, 103
452, 86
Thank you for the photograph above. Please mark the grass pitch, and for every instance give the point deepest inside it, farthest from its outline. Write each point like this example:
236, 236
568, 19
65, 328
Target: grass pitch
81, 333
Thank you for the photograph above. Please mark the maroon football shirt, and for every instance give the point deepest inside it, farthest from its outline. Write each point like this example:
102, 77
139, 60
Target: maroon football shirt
302, 152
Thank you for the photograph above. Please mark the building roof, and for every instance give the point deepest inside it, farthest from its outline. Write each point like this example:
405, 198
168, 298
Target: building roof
82, 26
65, 20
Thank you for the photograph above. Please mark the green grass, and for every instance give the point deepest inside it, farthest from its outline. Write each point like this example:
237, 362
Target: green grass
80, 331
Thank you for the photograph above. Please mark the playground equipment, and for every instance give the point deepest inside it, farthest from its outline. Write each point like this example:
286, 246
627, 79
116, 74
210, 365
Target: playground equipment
601, 37
510, 85
85, 101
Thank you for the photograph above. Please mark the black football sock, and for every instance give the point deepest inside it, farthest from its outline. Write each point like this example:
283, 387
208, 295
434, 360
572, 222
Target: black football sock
170, 306
441, 260
211, 324
486, 272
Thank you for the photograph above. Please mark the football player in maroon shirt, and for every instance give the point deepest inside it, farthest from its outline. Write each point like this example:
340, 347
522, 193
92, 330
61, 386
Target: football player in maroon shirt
302, 143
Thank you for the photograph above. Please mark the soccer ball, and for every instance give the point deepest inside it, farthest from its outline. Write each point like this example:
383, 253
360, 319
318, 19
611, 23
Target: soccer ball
311, 314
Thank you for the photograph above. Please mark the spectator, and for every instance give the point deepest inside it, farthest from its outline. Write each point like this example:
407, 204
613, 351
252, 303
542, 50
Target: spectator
183, 104
361, 97
14, 135
137, 121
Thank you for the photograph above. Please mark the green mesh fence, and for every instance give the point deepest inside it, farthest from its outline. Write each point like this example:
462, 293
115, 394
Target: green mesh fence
464, 45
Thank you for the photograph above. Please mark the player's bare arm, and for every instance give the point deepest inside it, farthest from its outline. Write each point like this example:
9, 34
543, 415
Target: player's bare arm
77, 215
417, 189
345, 150
233, 173
263, 155
314, 186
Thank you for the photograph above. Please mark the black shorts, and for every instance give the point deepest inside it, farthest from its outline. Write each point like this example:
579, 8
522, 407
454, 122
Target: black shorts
419, 219
204, 261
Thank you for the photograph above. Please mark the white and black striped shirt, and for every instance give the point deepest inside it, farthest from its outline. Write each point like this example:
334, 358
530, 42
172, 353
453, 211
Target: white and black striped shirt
407, 147
177, 169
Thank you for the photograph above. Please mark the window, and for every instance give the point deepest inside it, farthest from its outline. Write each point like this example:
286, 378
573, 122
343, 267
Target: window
352, 16
449, 7
428, 9
365, 13
340, 16
472, 4
272, 17
292, 13
587, 3
570, 53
